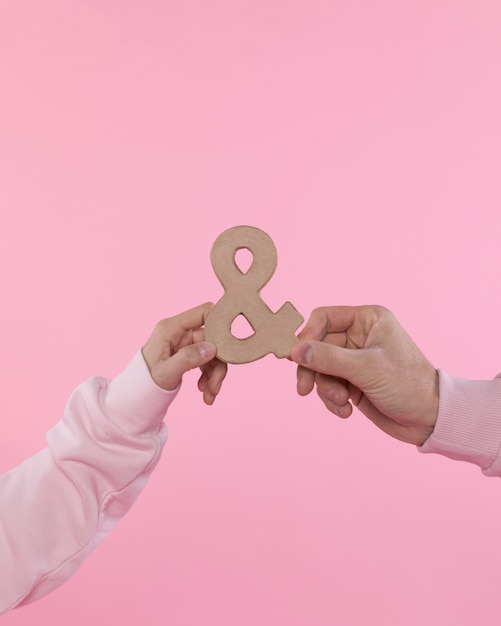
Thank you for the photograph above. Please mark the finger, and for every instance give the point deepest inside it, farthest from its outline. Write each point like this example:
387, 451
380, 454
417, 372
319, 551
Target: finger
305, 381
332, 360
211, 379
336, 339
193, 318
217, 374
335, 389
168, 373
344, 411
316, 326
198, 335
173, 333
205, 372
328, 319
202, 381
208, 397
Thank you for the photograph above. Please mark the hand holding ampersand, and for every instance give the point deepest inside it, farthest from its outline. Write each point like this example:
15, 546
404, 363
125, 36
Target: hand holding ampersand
273, 332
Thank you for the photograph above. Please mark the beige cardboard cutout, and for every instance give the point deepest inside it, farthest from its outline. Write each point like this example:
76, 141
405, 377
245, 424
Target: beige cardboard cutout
273, 332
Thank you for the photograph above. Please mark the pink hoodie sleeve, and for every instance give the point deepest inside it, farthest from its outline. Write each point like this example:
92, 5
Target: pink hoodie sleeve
57, 506
468, 426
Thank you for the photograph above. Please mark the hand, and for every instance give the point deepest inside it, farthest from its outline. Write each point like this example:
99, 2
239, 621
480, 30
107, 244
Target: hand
363, 355
177, 345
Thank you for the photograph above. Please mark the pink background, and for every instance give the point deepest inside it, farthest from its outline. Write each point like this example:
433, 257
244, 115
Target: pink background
365, 138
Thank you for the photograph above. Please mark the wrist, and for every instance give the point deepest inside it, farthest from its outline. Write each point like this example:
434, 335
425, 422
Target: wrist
431, 405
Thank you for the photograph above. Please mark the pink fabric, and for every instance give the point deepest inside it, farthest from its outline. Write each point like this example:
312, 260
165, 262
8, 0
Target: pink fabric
57, 506
468, 426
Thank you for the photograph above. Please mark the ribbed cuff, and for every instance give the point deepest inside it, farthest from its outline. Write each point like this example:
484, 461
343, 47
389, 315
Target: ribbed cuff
468, 425
134, 401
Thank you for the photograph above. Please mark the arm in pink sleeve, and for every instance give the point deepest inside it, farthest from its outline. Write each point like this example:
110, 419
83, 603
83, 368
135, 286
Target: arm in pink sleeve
58, 505
468, 426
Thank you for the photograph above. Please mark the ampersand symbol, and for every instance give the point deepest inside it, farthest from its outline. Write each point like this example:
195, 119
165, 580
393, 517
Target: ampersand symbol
273, 332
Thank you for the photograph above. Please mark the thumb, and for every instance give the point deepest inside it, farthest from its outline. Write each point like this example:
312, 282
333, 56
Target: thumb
326, 358
167, 374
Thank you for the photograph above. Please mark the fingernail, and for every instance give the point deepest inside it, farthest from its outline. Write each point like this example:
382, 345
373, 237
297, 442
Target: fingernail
206, 349
304, 354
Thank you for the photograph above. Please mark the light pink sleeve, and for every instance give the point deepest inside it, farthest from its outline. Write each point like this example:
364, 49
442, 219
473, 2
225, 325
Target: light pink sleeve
468, 426
58, 505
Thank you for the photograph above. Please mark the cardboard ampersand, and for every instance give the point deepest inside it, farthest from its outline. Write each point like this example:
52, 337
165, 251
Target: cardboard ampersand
273, 332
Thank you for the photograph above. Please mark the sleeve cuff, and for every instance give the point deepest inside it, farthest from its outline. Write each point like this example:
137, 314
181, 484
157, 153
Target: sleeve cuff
134, 402
468, 426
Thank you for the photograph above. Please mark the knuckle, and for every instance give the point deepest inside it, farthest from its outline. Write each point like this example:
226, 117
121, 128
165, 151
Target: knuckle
206, 307
321, 311
162, 327
380, 311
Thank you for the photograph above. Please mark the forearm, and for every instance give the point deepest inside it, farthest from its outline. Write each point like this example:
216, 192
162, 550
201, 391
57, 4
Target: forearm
468, 426
58, 505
